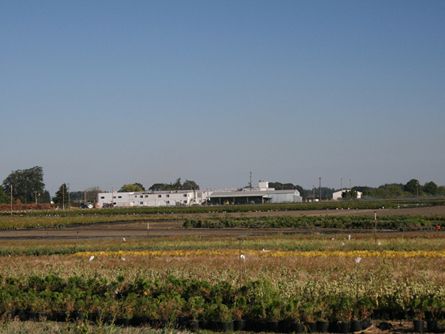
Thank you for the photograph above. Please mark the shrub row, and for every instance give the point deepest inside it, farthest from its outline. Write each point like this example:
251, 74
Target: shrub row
402, 223
193, 303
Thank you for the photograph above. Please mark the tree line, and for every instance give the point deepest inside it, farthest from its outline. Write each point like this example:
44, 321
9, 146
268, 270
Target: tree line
173, 186
27, 186
413, 188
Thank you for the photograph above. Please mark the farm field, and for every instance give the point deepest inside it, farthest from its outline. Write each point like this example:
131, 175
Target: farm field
89, 224
120, 277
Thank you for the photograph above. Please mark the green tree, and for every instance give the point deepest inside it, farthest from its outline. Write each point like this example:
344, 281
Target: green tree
430, 188
159, 187
352, 194
391, 190
25, 184
45, 197
190, 185
61, 198
282, 186
3, 197
412, 186
177, 185
300, 189
132, 187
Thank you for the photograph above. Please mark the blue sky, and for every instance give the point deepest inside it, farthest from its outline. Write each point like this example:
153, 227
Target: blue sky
111, 92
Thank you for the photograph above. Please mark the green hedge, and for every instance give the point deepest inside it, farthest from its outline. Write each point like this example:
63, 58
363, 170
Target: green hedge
402, 223
177, 301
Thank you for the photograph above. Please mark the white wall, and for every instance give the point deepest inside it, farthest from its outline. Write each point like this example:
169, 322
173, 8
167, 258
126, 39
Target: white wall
163, 198
339, 194
285, 197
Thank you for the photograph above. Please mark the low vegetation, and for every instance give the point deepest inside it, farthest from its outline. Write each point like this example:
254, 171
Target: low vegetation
328, 205
402, 223
191, 303
276, 283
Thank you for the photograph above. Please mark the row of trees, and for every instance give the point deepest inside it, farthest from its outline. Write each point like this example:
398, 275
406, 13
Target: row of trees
27, 187
173, 186
412, 188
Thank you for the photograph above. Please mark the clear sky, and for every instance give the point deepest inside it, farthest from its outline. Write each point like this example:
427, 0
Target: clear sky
102, 93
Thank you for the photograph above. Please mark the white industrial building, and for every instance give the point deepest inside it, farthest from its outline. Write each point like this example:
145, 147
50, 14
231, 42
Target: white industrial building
339, 194
261, 194
155, 198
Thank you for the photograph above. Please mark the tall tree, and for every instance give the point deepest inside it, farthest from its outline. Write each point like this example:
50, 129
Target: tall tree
132, 187
190, 185
430, 188
441, 190
3, 197
45, 197
25, 184
61, 198
412, 186
177, 185
351, 194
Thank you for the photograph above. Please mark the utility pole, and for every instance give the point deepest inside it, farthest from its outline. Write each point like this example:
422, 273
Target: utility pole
68, 193
319, 188
63, 196
341, 183
250, 180
11, 199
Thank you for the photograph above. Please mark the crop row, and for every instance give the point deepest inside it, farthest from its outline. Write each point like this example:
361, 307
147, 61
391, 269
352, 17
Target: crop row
191, 303
267, 253
401, 223
417, 242
59, 222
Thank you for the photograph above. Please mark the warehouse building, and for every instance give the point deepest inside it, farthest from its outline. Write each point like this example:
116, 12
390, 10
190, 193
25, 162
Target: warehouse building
155, 198
262, 194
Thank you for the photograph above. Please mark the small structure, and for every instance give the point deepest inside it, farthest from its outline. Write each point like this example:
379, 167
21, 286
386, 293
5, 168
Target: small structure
341, 194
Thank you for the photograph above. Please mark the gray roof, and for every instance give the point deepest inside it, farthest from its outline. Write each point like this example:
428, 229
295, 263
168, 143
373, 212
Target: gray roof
250, 193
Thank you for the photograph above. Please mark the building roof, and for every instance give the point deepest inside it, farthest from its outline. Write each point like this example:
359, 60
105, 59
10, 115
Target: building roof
250, 193
152, 192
